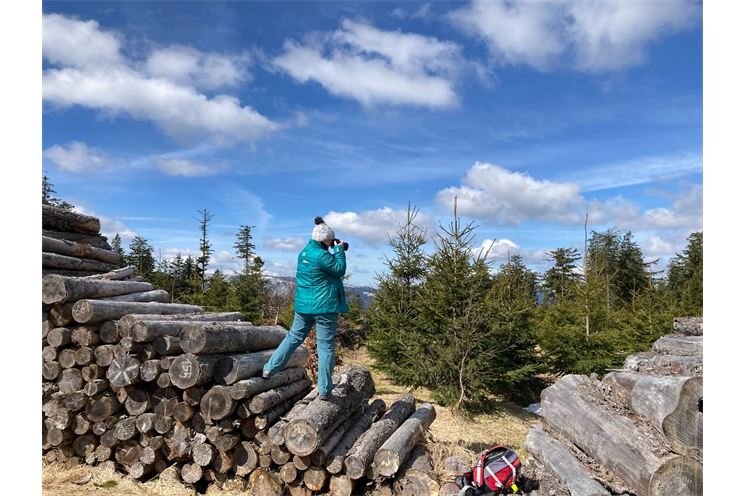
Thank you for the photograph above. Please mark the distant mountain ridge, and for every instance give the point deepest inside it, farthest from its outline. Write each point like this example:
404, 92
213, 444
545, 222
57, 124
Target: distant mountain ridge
286, 285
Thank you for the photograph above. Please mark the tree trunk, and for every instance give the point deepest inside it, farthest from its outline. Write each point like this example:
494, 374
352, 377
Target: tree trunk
673, 404
688, 326
288, 472
417, 476
60, 315
116, 274
123, 371
128, 321
363, 451
255, 385
244, 459
126, 428
66, 358
64, 262
95, 240
276, 432
149, 370
143, 331
101, 407
680, 345
341, 485
59, 337
191, 370
269, 417
562, 463
137, 402
81, 250
182, 412
104, 355
452, 489
616, 442
109, 332
216, 404
100, 310
262, 482
95, 387
317, 421
191, 473
297, 488
55, 219
279, 455
233, 368
321, 455
164, 401
155, 296
85, 336
128, 453
392, 454
314, 478
167, 345
268, 399
83, 356
229, 337
301, 463
144, 422
652, 363
70, 381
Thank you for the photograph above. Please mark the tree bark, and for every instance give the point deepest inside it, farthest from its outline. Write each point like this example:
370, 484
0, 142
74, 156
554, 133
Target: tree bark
680, 345
255, 385
688, 326
562, 463
191, 370
109, 332
268, 399
616, 442
269, 417
652, 363
674, 405
417, 475
318, 420
276, 432
233, 368
143, 331
320, 455
363, 452
95, 240
60, 315
64, 262
244, 459
55, 219
229, 337
392, 454
335, 459
81, 250
128, 321
154, 296
100, 310
167, 345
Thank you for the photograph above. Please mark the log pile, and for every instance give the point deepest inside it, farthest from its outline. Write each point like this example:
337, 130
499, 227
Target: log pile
72, 245
155, 387
638, 431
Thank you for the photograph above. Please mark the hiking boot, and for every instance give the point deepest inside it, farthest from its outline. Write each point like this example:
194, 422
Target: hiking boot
324, 397
265, 374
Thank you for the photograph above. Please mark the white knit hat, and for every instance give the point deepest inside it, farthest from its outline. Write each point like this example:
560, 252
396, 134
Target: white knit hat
322, 232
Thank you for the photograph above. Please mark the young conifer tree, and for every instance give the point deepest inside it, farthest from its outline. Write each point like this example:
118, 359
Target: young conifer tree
396, 342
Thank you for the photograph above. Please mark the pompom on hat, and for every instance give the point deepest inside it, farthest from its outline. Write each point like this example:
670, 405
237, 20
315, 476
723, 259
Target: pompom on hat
322, 232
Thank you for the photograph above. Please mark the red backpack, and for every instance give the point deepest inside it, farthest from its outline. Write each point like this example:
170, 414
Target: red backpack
496, 472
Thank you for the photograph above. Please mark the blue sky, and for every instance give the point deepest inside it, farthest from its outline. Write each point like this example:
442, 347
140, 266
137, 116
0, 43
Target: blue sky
533, 114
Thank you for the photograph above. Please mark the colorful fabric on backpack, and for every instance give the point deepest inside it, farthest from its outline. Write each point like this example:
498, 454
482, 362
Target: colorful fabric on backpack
497, 469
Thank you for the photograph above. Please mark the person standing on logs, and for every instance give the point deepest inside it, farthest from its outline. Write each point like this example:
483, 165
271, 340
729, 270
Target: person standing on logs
319, 299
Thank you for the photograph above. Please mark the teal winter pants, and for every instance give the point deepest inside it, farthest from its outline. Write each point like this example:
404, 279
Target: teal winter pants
325, 338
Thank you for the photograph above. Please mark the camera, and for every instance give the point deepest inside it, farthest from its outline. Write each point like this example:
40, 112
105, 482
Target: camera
344, 244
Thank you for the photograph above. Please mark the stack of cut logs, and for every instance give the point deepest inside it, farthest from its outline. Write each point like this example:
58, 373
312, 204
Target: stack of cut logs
156, 388
638, 431
72, 245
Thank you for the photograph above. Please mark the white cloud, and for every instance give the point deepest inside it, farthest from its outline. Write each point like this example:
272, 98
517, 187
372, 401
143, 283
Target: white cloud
686, 212
119, 87
75, 43
500, 196
377, 67
611, 35
515, 32
187, 66
373, 226
285, 244
499, 250
656, 246
186, 168
75, 157
598, 35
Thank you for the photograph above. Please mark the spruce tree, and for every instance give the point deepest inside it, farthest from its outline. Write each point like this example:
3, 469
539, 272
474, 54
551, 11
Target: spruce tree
116, 246
47, 188
205, 248
396, 342
141, 257
561, 280
218, 291
686, 276
250, 288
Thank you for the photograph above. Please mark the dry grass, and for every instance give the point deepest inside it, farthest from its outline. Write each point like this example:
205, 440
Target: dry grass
449, 435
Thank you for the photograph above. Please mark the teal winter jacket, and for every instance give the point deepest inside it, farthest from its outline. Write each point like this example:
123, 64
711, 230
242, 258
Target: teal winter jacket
319, 287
